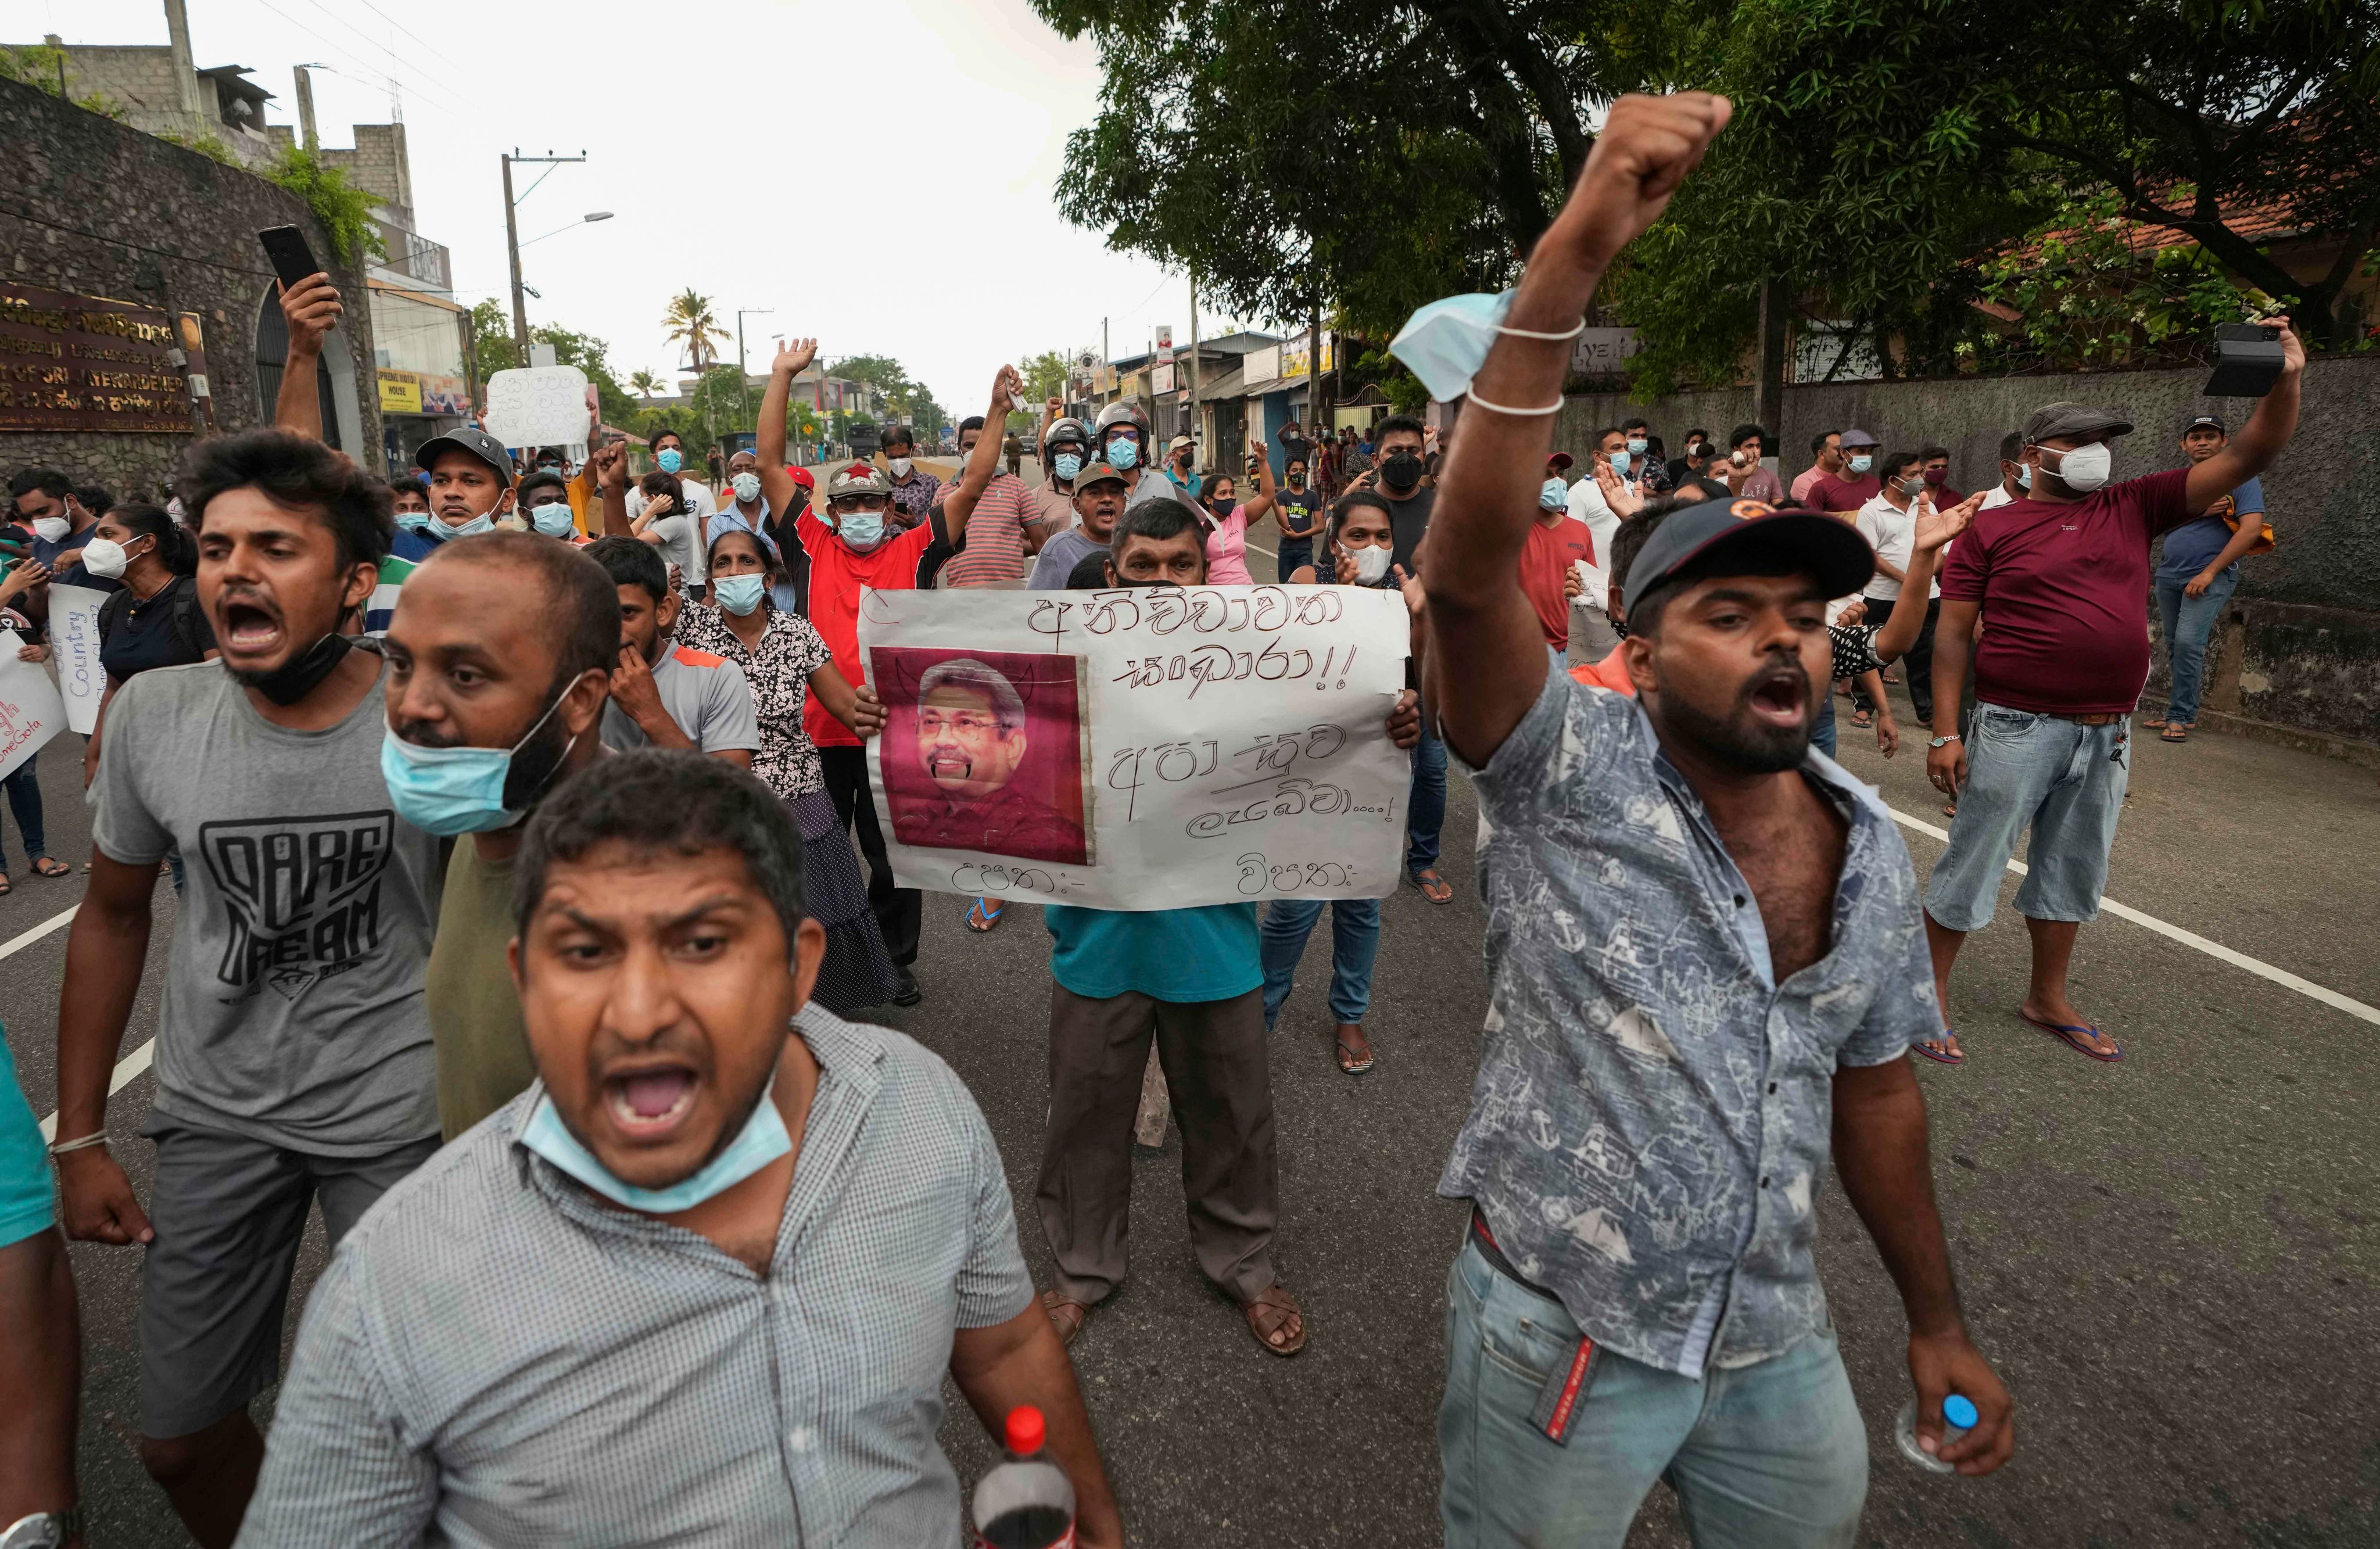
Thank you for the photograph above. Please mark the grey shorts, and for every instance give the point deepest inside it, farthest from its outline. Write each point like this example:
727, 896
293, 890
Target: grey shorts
2065, 780
229, 1213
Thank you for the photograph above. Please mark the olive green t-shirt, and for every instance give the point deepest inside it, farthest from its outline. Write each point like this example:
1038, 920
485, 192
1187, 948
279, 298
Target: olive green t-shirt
475, 1016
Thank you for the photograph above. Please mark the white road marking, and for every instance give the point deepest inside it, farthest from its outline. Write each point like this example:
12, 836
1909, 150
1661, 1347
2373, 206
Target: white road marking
127, 1069
19, 943
2281, 977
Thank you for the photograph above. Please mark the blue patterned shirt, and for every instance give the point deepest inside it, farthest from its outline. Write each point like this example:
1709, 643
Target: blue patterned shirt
1650, 1119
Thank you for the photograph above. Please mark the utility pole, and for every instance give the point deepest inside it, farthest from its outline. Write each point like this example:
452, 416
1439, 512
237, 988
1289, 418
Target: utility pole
511, 238
743, 388
306, 107
1769, 389
1194, 365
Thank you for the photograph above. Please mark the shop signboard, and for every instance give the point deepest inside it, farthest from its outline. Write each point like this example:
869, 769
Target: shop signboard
71, 362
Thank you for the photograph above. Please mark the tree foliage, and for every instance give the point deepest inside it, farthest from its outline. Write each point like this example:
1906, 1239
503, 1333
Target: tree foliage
342, 209
689, 320
492, 343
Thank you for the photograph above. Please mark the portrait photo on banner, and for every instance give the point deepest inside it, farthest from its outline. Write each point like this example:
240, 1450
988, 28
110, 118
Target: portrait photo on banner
985, 751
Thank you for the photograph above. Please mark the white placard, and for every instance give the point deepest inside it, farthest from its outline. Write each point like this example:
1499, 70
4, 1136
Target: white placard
30, 711
74, 631
1140, 748
538, 405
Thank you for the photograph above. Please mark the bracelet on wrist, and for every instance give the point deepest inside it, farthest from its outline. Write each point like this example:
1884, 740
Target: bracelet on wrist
80, 1142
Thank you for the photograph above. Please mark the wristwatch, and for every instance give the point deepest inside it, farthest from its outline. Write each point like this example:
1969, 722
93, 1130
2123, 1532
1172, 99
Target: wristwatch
1937, 742
43, 1529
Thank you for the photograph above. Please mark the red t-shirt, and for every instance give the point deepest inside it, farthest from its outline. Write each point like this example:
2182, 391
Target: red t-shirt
830, 577
1832, 492
2065, 592
1546, 558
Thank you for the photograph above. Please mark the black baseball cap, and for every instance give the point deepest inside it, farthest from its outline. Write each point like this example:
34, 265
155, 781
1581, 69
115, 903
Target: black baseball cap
1705, 539
476, 441
2206, 422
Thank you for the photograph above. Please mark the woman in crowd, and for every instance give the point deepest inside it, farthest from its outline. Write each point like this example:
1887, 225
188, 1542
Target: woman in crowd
783, 659
156, 620
1228, 521
1359, 542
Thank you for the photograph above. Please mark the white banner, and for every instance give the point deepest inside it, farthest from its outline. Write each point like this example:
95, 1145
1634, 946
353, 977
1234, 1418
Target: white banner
30, 711
538, 405
74, 629
1140, 748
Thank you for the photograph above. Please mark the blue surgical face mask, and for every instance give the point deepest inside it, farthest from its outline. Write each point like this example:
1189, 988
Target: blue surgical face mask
761, 1141
471, 529
1636, 445
1619, 460
669, 459
1862, 462
2024, 476
739, 594
1066, 465
1124, 454
413, 521
1445, 343
553, 519
1554, 494
862, 529
450, 791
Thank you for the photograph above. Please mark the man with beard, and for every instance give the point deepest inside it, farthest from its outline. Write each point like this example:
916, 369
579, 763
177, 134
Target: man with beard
500, 663
1704, 964
971, 742
293, 1057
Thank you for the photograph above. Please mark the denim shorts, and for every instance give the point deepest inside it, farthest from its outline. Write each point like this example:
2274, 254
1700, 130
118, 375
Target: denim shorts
1773, 1454
2065, 780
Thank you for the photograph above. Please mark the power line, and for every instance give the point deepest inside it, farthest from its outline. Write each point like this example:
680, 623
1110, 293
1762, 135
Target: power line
348, 54
394, 58
407, 31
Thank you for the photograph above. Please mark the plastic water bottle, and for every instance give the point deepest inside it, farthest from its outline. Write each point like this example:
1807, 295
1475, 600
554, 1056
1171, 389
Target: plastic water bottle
1027, 1501
1958, 1419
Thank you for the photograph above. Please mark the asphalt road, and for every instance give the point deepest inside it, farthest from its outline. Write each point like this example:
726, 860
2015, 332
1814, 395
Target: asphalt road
2172, 1260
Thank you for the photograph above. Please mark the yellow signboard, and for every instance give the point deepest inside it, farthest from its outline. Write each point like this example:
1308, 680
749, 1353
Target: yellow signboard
400, 392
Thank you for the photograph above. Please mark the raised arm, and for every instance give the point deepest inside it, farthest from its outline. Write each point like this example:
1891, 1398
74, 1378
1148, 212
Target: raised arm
1935, 529
1484, 639
312, 311
777, 486
2260, 441
609, 467
1265, 489
984, 462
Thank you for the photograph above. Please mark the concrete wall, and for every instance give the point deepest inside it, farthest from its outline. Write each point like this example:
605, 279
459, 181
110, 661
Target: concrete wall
94, 207
2298, 656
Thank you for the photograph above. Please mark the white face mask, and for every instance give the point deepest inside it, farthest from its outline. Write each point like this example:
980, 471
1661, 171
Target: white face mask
2084, 468
105, 558
1371, 562
901, 467
746, 486
49, 530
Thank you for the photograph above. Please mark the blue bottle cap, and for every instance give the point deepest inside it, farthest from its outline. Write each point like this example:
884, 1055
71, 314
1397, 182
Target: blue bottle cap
1960, 1410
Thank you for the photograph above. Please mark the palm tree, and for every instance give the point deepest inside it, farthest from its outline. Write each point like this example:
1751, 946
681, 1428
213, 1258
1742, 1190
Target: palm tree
691, 322
648, 385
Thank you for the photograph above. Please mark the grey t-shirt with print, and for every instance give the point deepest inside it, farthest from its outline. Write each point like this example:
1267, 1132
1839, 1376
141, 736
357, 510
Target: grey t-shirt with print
293, 1011
707, 696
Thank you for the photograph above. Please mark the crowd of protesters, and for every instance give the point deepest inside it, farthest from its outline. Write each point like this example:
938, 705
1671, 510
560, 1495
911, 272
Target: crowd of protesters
519, 814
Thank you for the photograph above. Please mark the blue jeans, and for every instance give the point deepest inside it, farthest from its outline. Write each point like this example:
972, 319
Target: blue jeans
1426, 809
2187, 620
1354, 941
2064, 780
1822, 735
24, 788
1771, 1455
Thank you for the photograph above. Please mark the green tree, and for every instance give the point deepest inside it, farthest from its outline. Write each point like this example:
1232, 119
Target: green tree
689, 320
645, 386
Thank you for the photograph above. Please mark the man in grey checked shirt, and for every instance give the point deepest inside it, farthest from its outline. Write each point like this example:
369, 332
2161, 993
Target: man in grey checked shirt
700, 1284
1704, 961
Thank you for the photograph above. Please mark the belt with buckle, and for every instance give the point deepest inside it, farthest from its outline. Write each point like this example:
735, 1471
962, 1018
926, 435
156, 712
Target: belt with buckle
1566, 1385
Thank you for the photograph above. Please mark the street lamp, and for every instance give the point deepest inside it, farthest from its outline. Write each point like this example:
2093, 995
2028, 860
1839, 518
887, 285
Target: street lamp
583, 220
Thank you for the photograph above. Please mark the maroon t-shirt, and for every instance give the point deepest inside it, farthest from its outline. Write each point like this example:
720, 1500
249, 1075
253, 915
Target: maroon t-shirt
1834, 493
2065, 592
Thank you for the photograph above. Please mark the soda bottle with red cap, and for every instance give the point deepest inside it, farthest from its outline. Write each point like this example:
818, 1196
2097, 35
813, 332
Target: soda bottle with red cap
1027, 1501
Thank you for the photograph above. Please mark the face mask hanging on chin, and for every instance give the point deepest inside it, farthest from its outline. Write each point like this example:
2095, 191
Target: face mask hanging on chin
298, 676
450, 791
761, 1141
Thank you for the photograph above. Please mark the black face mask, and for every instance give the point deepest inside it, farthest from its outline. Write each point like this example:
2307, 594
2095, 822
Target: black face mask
302, 673
534, 767
1402, 471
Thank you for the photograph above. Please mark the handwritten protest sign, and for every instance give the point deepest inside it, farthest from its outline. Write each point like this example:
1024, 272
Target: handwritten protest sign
74, 629
538, 405
30, 710
1140, 748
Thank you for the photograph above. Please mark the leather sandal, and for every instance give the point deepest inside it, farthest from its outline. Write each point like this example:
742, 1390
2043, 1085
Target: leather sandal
1276, 1300
1066, 1314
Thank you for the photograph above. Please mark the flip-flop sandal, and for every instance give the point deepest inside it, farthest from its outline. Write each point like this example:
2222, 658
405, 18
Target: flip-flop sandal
1348, 1062
4, 884
45, 866
980, 918
1066, 1314
2159, 724
1436, 889
2173, 733
2076, 1037
1939, 1057
1862, 718
1275, 1297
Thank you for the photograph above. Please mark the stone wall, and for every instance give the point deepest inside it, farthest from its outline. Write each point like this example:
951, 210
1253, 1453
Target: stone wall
2298, 655
378, 165
94, 207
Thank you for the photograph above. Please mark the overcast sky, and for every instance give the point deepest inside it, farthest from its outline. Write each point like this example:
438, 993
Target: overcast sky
887, 165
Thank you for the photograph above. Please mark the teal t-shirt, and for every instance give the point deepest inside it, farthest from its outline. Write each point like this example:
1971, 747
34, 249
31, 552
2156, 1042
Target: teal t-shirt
1166, 955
